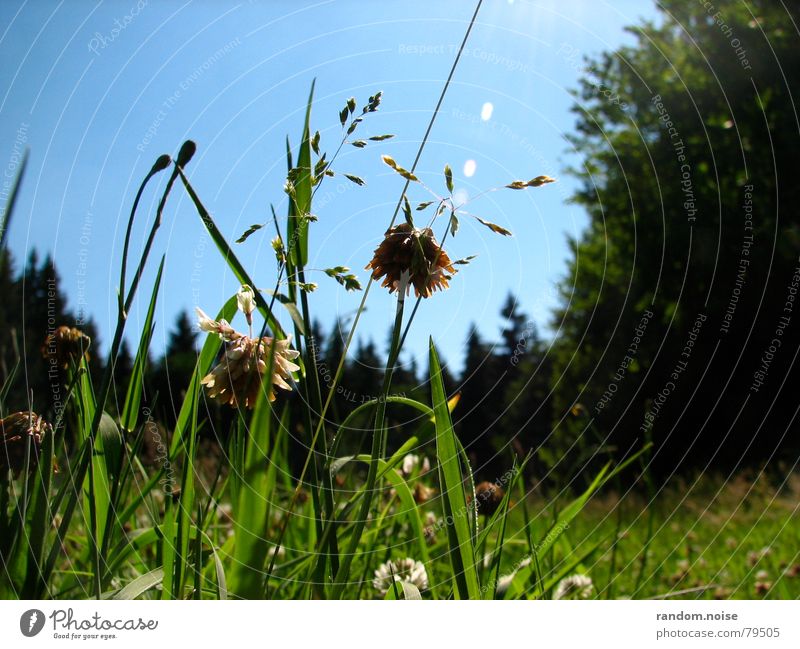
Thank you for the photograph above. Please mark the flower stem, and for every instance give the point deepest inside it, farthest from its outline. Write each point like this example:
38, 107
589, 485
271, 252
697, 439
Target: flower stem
379, 439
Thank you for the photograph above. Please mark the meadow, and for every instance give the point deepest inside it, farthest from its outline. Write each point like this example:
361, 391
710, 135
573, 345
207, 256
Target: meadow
87, 513
102, 498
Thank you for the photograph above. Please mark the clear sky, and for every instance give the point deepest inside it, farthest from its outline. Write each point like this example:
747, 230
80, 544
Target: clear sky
98, 90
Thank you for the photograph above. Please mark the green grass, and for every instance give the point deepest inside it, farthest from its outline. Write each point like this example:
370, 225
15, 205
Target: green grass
711, 538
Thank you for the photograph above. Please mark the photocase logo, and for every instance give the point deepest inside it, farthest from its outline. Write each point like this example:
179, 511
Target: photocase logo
31, 622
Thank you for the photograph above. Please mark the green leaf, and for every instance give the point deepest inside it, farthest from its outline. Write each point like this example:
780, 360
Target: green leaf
233, 262
461, 551
408, 507
12, 200
359, 144
141, 584
168, 528
133, 397
250, 513
39, 522
291, 307
300, 202
381, 138
109, 445
448, 178
406, 590
424, 205
407, 211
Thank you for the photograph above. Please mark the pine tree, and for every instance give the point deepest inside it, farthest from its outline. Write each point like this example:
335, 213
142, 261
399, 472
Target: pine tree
517, 332
174, 370
478, 417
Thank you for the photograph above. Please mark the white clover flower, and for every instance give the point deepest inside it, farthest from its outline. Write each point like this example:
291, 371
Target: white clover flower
246, 301
406, 570
205, 322
505, 581
410, 462
574, 587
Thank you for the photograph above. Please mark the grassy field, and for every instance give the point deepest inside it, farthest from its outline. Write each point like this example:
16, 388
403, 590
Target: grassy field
718, 538
83, 513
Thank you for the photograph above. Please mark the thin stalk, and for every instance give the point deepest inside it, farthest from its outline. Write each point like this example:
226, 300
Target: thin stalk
378, 448
651, 495
315, 391
160, 164
360, 310
105, 386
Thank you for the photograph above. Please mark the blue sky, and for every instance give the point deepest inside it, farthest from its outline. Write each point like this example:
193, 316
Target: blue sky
98, 90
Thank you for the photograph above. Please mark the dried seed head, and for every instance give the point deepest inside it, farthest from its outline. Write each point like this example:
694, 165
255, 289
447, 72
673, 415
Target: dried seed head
66, 345
488, 497
22, 431
423, 493
411, 256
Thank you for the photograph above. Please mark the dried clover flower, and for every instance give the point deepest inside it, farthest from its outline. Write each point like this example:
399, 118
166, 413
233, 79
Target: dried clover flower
18, 430
488, 497
65, 346
238, 377
411, 256
423, 493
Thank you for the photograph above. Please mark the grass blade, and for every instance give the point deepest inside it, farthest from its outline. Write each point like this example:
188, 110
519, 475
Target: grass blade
133, 397
250, 519
12, 201
454, 500
230, 258
141, 584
